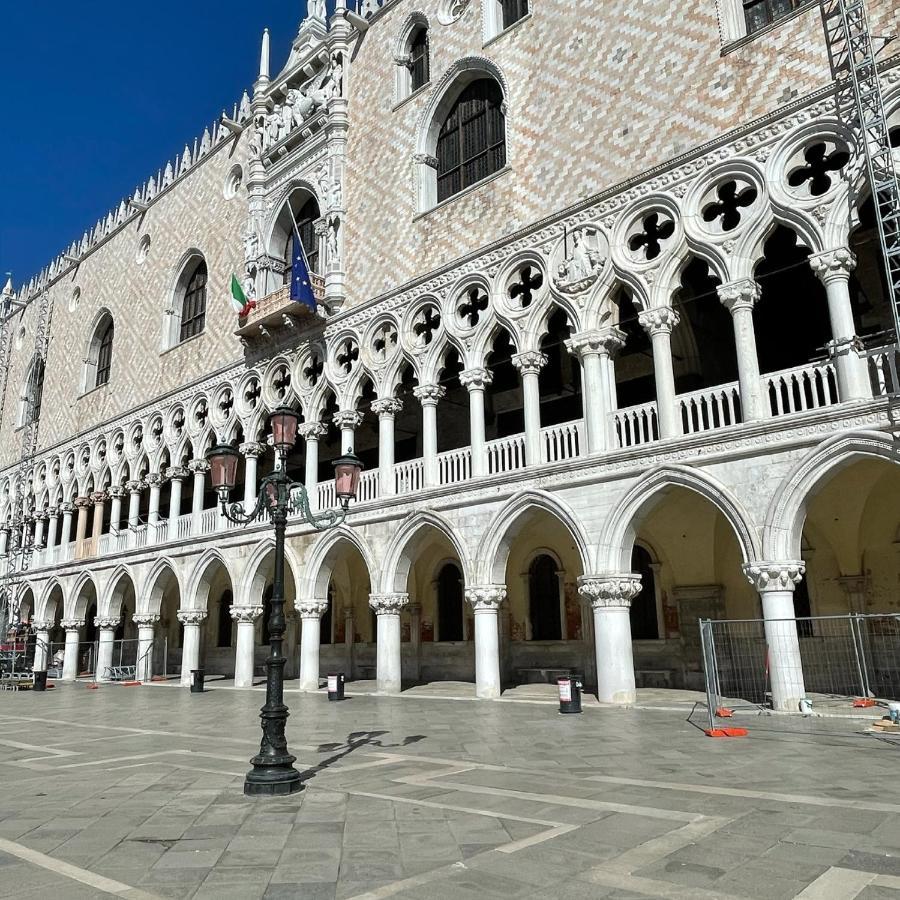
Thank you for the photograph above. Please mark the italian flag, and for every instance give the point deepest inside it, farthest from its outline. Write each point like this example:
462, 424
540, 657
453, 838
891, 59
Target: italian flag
239, 301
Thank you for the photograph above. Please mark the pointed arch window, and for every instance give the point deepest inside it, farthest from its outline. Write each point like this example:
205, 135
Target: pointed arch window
104, 353
471, 144
306, 227
30, 409
419, 73
193, 310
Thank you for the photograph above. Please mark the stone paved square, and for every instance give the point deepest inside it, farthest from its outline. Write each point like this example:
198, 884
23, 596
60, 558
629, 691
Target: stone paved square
137, 793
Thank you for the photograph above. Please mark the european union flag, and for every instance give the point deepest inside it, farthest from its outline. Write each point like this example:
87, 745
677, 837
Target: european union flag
301, 283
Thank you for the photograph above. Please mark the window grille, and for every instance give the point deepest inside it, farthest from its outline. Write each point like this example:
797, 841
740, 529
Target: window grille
759, 13
513, 10
472, 141
418, 59
193, 311
306, 225
104, 355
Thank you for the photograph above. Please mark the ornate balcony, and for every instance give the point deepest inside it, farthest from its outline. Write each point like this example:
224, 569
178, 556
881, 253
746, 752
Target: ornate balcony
276, 315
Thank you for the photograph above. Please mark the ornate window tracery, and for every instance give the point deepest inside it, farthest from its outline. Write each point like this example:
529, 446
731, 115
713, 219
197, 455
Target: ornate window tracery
305, 221
193, 314
104, 354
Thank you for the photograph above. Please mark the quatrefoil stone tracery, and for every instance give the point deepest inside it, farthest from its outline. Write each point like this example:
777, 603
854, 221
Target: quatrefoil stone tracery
650, 235
426, 324
817, 168
384, 342
470, 306
312, 371
347, 356
526, 283
725, 210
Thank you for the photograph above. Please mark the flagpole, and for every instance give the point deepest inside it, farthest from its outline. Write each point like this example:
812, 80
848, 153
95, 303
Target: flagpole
297, 235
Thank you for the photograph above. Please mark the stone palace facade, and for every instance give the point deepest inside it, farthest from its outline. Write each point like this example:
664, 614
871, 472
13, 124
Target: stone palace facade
600, 307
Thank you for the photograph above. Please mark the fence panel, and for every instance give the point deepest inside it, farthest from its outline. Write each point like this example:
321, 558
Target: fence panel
827, 659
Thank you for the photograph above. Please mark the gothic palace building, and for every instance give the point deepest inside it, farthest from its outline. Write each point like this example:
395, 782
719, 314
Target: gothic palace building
601, 310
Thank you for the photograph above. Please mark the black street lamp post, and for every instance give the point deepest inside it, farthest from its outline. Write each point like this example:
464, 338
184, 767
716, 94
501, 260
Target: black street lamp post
273, 771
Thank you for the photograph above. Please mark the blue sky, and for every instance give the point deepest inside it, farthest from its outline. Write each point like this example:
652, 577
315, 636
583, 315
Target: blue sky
99, 95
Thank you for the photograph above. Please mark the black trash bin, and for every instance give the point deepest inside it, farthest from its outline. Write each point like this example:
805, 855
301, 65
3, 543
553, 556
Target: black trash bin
40, 679
336, 686
196, 681
570, 693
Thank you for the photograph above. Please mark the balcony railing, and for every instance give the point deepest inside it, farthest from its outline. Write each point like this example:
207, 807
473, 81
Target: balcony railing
812, 386
710, 408
796, 390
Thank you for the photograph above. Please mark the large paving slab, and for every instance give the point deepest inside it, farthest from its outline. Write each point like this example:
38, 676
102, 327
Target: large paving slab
137, 793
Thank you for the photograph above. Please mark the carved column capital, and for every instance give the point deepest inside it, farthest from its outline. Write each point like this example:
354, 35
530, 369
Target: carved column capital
177, 473
83, 502
52, 512
41, 624
311, 609
245, 613
107, 623
154, 479
145, 620
98, 497
134, 487
429, 394
388, 604
486, 597
117, 492
836, 264
312, 431
252, 448
736, 295
191, 616
67, 508
610, 591
198, 465
607, 341
475, 379
347, 418
661, 320
529, 362
774, 576
72, 624
387, 406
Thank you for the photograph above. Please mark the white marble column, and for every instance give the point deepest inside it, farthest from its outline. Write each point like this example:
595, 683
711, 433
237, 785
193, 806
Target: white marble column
52, 527
349, 640
610, 597
833, 269
386, 409
70, 657
739, 298
388, 671
348, 420
134, 489
146, 626
428, 395
311, 612
245, 643
41, 644
99, 501
155, 480
4, 540
596, 350
176, 476
82, 504
190, 645
116, 494
529, 365
659, 323
311, 432
251, 452
105, 645
475, 381
199, 468
415, 638
485, 601
775, 582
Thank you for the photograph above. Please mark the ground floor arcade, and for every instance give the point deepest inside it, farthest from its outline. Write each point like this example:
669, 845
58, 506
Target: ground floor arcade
608, 578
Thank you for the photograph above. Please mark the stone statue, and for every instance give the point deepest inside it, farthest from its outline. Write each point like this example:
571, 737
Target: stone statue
582, 262
315, 9
251, 242
337, 74
334, 224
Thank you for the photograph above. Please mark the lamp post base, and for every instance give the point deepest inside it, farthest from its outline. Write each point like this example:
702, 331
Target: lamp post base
272, 784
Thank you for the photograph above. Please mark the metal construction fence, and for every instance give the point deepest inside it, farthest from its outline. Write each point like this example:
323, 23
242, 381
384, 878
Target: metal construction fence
118, 660
794, 664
